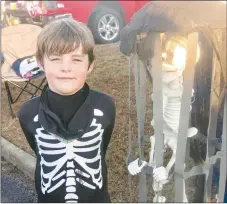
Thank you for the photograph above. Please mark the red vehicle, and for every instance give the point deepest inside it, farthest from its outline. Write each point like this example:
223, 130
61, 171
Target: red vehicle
105, 18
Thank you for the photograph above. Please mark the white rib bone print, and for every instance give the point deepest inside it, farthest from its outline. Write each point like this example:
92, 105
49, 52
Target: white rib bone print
49, 144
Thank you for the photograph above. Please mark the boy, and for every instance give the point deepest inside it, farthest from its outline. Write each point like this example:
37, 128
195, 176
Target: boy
69, 126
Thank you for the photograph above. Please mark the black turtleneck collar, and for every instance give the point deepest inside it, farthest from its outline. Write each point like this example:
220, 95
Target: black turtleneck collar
57, 112
65, 107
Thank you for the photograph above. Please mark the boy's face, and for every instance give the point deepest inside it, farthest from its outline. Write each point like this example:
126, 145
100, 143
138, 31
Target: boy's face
66, 74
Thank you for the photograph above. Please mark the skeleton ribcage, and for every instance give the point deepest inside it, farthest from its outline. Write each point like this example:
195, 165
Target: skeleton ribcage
56, 154
171, 112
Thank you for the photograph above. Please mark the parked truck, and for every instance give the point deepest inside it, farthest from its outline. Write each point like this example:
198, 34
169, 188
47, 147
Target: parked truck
104, 18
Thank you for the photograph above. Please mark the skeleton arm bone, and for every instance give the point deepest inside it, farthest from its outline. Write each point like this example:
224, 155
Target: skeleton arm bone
151, 155
152, 150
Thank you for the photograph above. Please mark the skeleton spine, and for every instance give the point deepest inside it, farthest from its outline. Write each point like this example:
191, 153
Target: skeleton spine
70, 183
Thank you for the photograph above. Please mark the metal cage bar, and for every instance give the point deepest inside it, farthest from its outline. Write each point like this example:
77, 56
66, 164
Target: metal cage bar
212, 127
156, 64
140, 93
185, 115
223, 165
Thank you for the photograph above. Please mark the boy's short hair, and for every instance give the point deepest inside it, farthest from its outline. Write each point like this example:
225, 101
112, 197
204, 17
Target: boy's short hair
63, 36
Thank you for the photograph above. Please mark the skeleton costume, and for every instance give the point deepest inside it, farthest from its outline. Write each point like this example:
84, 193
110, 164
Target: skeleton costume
70, 136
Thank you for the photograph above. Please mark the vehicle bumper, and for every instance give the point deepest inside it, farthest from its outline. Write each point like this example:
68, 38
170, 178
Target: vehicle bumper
59, 16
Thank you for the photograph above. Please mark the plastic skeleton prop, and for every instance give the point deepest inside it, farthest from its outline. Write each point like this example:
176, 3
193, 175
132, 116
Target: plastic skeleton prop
70, 151
172, 94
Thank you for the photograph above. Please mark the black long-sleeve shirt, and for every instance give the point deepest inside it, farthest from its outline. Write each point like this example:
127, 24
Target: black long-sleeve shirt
70, 136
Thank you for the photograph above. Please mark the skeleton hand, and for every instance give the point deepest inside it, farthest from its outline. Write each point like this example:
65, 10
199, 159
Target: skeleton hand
159, 199
160, 175
134, 167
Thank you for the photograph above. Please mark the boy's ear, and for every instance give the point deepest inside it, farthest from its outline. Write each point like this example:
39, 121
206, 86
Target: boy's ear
91, 67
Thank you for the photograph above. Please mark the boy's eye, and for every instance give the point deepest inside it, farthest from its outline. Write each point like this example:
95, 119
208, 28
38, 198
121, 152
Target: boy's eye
55, 59
77, 60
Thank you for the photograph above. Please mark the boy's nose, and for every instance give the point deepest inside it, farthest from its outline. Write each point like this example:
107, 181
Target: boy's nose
66, 67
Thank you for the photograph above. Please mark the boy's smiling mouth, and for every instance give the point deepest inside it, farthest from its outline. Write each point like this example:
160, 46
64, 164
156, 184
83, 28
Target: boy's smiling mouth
66, 78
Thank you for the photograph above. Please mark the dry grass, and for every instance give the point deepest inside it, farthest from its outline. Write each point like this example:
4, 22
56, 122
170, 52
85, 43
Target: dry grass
110, 76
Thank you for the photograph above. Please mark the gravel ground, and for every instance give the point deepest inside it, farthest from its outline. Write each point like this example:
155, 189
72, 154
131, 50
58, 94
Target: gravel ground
16, 187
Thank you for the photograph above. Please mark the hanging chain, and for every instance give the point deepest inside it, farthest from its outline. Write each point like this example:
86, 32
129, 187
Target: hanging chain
129, 133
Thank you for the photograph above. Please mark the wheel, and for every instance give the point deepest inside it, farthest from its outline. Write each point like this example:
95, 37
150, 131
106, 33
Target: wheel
106, 25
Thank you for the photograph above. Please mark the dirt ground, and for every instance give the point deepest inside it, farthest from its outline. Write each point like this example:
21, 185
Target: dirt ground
110, 76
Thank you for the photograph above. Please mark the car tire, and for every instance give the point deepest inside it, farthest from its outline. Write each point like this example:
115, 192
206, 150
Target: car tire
116, 24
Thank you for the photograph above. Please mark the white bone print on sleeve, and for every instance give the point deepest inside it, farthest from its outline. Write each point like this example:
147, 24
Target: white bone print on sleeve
68, 153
